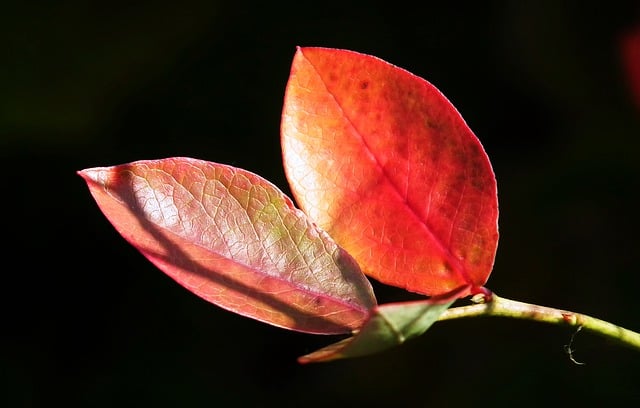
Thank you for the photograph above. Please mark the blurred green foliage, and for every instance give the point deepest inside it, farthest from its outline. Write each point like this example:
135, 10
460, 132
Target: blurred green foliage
69, 64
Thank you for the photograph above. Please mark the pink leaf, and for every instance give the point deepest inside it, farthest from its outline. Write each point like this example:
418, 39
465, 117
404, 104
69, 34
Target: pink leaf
235, 240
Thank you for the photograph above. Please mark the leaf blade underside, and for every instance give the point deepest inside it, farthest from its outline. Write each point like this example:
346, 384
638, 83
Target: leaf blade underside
388, 326
235, 240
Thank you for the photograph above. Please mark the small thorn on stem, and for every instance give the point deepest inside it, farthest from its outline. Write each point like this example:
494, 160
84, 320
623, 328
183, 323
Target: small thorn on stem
569, 318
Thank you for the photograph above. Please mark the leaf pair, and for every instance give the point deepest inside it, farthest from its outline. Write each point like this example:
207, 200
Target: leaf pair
376, 157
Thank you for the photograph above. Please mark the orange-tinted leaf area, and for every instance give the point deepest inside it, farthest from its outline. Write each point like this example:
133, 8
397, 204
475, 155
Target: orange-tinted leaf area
380, 159
234, 239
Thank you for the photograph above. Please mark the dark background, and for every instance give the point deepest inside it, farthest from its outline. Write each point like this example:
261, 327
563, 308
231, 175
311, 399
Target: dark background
87, 321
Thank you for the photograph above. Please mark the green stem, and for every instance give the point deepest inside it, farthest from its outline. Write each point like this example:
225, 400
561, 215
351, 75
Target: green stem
492, 305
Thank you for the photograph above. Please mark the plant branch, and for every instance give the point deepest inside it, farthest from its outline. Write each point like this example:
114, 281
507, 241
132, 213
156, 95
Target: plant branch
488, 304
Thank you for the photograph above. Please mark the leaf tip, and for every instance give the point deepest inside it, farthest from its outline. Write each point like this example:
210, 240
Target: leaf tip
90, 174
81, 173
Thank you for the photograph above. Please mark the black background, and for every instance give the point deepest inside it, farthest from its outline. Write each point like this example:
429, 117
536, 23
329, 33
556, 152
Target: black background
87, 321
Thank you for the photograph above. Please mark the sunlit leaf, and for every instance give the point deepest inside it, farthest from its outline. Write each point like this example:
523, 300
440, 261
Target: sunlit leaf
234, 239
380, 159
388, 326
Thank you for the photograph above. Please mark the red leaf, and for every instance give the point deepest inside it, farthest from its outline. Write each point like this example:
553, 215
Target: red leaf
234, 239
380, 159
630, 56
